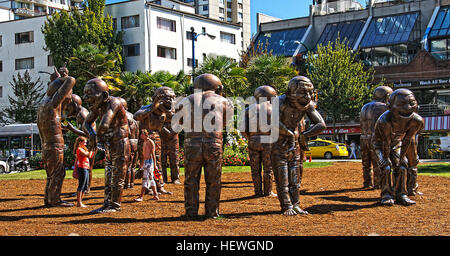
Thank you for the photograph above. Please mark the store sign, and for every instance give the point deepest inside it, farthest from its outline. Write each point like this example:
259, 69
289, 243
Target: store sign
427, 82
343, 130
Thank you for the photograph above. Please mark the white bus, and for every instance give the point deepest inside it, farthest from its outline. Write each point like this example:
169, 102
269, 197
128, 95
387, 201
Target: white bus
19, 139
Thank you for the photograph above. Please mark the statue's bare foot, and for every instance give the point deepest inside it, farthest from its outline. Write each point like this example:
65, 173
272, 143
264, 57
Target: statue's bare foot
300, 211
289, 212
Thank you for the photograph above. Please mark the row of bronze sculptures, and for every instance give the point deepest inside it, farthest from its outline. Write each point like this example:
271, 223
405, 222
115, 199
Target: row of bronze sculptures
389, 139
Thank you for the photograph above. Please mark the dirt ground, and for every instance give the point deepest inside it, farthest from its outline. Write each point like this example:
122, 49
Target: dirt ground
333, 195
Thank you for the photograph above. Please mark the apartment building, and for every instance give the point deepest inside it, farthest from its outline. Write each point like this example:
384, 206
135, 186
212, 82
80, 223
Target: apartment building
233, 11
20, 9
158, 35
406, 42
156, 38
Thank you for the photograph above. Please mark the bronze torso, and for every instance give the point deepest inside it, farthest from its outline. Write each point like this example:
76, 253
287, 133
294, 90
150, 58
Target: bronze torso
369, 116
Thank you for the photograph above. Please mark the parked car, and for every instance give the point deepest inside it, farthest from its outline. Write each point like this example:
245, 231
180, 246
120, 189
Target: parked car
328, 149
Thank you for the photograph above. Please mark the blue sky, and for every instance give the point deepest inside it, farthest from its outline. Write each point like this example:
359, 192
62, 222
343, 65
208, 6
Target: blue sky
283, 9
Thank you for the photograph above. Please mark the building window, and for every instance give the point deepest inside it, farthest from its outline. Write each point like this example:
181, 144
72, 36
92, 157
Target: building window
205, 7
240, 6
167, 52
1, 41
166, 24
227, 37
440, 48
131, 50
25, 37
1, 66
221, 10
114, 23
129, 22
25, 63
189, 62
1, 91
50, 61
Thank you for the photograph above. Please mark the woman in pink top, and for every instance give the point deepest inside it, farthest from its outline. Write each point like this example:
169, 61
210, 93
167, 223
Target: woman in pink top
83, 166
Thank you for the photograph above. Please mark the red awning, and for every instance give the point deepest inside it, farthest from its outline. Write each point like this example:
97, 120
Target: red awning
436, 123
340, 130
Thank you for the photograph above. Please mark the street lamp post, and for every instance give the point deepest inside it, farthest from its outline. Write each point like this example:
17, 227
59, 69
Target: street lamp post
194, 37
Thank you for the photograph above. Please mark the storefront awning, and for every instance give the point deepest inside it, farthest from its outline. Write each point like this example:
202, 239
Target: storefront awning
343, 130
437, 123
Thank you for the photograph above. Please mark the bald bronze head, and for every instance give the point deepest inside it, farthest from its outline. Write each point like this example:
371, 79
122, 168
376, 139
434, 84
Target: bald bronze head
72, 107
207, 82
265, 91
300, 91
96, 91
402, 103
382, 94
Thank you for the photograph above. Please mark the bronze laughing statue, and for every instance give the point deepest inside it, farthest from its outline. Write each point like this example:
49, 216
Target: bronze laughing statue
207, 114
112, 133
157, 117
394, 134
50, 131
368, 117
259, 152
133, 136
74, 109
293, 106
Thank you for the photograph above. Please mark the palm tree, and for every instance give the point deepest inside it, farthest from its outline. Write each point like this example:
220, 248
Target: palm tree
267, 69
179, 83
232, 76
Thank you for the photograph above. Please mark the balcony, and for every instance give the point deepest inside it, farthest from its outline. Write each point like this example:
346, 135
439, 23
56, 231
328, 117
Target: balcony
439, 109
382, 3
325, 7
24, 12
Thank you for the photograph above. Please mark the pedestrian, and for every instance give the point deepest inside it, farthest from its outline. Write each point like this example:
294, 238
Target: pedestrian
353, 148
82, 164
149, 166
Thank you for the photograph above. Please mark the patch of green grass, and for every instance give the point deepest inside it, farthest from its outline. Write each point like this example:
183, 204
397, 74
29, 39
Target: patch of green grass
100, 173
440, 169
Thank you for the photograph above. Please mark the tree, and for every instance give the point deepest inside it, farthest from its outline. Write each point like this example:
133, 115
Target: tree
137, 88
66, 30
90, 61
27, 96
267, 69
230, 74
344, 85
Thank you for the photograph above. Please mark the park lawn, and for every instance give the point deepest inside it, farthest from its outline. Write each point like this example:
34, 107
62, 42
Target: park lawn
99, 173
438, 169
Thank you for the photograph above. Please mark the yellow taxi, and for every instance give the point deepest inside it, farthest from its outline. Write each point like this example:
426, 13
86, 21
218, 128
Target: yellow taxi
328, 149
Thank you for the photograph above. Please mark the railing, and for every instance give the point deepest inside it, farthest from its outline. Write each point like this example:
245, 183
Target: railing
380, 3
24, 11
434, 109
335, 7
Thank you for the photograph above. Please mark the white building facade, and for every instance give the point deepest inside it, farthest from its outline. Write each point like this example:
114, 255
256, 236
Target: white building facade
159, 38
156, 38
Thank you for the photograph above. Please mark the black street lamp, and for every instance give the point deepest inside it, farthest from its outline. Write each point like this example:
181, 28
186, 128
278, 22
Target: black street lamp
194, 38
